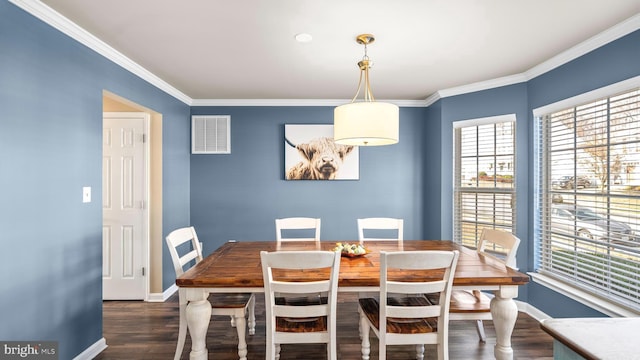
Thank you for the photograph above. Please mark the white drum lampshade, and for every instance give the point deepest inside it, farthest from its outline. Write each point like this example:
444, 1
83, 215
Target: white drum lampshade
369, 123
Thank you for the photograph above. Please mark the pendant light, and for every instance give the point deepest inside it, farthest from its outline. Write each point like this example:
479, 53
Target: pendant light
368, 122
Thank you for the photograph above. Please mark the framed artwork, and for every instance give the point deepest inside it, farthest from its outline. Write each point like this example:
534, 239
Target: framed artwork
311, 154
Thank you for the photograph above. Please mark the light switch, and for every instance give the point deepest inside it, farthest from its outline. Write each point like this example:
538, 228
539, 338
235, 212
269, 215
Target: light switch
86, 194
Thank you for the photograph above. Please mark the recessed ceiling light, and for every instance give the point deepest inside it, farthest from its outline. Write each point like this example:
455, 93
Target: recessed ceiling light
304, 37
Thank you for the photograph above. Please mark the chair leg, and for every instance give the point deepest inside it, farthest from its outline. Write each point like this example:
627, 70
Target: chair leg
252, 315
271, 347
420, 352
242, 341
480, 328
360, 327
332, 350
182, 331
443, 352
364, 335
232, 321
382, 348
277, 352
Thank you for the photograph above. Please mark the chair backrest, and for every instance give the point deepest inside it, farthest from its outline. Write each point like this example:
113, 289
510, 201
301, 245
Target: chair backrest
493, 241
306, 225
428, 285
191, 254
289, 279
380, 224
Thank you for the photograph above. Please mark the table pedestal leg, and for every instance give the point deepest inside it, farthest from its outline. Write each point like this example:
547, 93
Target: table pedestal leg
198, 317
504, 312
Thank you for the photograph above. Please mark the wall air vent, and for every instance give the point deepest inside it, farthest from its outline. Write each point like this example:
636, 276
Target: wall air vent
211, 134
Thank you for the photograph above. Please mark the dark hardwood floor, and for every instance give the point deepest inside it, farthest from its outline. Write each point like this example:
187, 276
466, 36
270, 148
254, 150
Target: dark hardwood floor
136, 330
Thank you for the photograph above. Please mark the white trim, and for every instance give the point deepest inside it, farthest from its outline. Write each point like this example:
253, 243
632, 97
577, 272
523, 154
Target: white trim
484, 121
268, 102
69, 28
432, 99
163, 296
156, 297
617, 31
613, 33
56, 20
597, 303
93, 350
170, 291
296, 102
146, 210
483, 85
531, 311
592, 95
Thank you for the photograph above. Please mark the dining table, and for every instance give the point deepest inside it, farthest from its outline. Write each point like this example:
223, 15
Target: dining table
235, 267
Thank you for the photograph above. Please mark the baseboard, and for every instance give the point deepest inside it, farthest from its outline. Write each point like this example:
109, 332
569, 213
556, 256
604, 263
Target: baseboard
536, 313
156, 297
162, 297
531, 311
93, 350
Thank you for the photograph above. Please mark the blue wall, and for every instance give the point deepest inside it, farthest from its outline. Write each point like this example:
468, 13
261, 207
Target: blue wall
432, 181
50, 147
238, 196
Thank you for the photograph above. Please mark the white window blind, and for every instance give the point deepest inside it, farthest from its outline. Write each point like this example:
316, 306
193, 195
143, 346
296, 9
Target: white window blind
588, 165
484, 182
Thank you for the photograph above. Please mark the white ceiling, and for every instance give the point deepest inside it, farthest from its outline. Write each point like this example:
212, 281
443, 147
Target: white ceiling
224, 49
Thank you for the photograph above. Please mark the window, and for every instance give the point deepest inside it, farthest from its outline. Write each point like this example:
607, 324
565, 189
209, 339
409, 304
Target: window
588, 195
484, 188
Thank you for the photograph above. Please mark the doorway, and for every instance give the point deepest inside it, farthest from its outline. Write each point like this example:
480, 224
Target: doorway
138, 251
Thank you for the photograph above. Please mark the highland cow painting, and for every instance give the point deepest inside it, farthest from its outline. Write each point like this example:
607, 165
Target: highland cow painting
311, 154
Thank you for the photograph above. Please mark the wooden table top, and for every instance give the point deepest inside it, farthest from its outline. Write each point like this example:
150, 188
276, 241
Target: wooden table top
237, 265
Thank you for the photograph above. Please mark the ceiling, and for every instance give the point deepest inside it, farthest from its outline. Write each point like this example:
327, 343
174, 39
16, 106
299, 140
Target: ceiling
221, 49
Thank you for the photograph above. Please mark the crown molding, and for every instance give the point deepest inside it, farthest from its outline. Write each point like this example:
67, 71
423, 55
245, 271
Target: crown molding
617, 31
56, 20
482, 85
432, 99
295, 102
613, 33
268, 102
69, 28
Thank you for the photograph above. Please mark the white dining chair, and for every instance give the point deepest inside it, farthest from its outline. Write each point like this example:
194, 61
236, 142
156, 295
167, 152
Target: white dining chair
186, 251
379, 229
375, 225
306, 322
297, 229
475, 304
410, 319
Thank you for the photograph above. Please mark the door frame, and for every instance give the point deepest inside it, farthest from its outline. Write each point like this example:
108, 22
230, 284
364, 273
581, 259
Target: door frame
146, 192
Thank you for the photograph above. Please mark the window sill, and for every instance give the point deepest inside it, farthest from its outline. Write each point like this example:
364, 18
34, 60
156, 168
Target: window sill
597, 303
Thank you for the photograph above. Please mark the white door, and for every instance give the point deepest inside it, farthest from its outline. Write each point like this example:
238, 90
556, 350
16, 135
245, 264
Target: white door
124, 229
